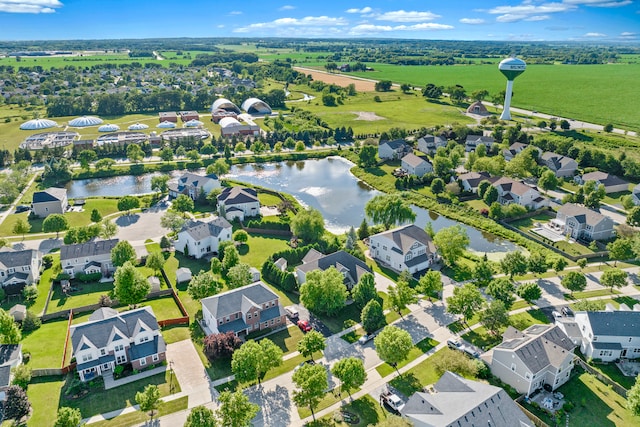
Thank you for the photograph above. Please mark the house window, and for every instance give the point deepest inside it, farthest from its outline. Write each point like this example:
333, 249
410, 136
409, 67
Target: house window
155, 357
272, 321
121, 359
237, 315
629, 339
273, 303
249, 315
119, 347
221, 322
143, 361
513, 367
606, 353
227, 319
527, 376
103, 352
388, 258
384, 248
408, 256
144, 339
278, 321
86, 358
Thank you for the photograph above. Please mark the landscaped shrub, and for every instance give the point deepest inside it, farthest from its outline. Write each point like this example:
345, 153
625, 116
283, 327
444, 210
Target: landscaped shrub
283, 279
31, 322
87, 278
47, 262
30, 293
61, 276
221, 346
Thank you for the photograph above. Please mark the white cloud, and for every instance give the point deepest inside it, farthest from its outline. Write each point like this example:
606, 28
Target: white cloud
472, 21
308, 21
235, 12
371, 28
595, 35
406, 16
287, 7
220, 26
600, 3
363, 10
627, 35
29, 6
538, 18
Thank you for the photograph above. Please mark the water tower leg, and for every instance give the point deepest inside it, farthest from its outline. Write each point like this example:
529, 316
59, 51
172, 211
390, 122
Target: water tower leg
506, 114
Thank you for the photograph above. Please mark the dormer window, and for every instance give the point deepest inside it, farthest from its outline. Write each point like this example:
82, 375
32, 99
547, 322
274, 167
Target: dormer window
249, 315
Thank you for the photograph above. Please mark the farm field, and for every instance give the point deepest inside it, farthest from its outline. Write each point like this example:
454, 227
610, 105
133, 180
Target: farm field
48, 62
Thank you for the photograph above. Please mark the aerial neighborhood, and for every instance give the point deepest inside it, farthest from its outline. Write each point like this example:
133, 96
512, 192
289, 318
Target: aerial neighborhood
326, 232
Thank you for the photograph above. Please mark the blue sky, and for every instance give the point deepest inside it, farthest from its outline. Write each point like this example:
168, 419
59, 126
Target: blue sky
571, 20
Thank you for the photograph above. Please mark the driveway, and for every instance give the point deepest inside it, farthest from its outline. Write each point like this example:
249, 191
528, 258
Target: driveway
141, 226
190, 372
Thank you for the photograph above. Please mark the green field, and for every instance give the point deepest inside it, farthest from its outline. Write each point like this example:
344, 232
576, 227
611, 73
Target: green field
48, 62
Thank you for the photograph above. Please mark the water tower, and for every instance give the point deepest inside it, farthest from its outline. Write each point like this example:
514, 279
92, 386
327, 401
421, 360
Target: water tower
511, 68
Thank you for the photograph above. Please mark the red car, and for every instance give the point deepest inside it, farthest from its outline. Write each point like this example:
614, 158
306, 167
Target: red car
304, 325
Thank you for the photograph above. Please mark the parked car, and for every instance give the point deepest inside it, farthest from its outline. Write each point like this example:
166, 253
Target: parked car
391, 401
556, 315
454, 343
366, 338
292, 312
306, 362
304, 325
567, 311
471, 352
22, 208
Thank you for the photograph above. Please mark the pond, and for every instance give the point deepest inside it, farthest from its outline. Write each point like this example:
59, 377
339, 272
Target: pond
113, 186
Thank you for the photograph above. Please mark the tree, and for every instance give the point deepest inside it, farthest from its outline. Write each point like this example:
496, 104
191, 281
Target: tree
457, 94
241, 236
324, 292
135, 153
529, 292
582, 263
383, 86
30, 294
55, 223
166, 154
548, 180
155, 261
363, 230
68, 417
367, 156
221, 346
252, 360
365, 290
451, 242
127, 203
502, 289
442, 166
108, 229
308, 225
494, 316
537, 263
608, 127
614, 278
466, 300
159, 184
216, 265
201, 416
588, 305
633, 397
230, 258
16, 405
514, 263
312, 342
182, 204
311, 385
106, 163
172, 221
122, 252
574, 281
620, 249
202, 285
393, 345
430, 283
86, 157
21, 227
219, 167
483, 187
149, 399
437, 186
633, 217
96, 216
400, 296
239, 275
372, 317
350, 372
193, 155
559, 264
21, 376
130, 286
490, 195
389, 209
483, 273
432, 91
9, 330
235, 409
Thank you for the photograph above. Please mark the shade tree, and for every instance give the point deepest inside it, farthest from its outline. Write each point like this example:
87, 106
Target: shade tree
389, 209
393, 345
324, 292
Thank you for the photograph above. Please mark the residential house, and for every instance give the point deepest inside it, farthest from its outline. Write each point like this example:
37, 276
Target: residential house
403, 248
455, 401
414, 165
243, 310
527, 360
519, 193
635, 195
515, 149
198, 238
88, 258
471, 180
428, 144
238, 202
394, 150
349, 266
560, 165
609, 335
611, 183
580, 222
10, 357
19, 268
50, 201
110, 338
194, 185
472, 142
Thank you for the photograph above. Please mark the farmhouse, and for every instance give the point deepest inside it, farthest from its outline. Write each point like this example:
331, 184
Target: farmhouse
517, 192
471, 180
560, 165
392, 150
50, 201
527, 360
580, 222
19, 268
194, 185
403, 248
243, 310
88, 258
611, 183
609, 335
349, 266
238, 202
414, 165
473, 141
110, 338
428, 144
198, 238
168, 116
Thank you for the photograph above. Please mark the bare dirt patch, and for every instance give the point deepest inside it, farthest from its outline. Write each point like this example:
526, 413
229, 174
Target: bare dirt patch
368, 116
339, 79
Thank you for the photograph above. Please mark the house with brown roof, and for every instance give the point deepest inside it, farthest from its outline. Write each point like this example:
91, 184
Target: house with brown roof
560, 165
611, 183
414, 165
478, 108
404, 248
580, 222
185, 116
168, 116
519, 193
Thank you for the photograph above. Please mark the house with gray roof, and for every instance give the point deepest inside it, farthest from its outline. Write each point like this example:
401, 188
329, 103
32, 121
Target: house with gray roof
519, 193
349, 266
609, 335
10, 357
470, 180
458, 402
529, 359
394, 150
414, 165
513, 150
194, 185
580, 222
428, 144
200, 238
50, 201
238, 202
611, 183
473, 141
635, 195
404, 248
110, 338
19, 268
88, 258
243, 310
560, 165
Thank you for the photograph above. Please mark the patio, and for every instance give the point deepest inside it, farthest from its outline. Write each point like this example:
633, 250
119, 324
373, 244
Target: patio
550, 230
629, 368
549, 401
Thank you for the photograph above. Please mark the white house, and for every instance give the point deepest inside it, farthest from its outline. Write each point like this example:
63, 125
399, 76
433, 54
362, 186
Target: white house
611, 183
510, 191
50, 201
527, 360
580, 222
609, 335
238, 202
88, 258
19, 267
392, 150
403, 248
194, 185
560, 165
414, 165
198, 238
428, 144
471, 180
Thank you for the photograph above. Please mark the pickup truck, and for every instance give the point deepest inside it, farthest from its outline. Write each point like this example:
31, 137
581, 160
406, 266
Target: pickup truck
392, 401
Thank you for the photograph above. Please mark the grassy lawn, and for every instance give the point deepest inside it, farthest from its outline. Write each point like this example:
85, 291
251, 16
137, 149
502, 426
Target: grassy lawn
44, 395
589, 294
268, 199
353, 336
611, 370
482, 338
522, 321
46, 344
477, 204
176, 333
259, 247
519, 304
418, 350
336, 322
329, 399
138, 417
368, 411
419, 376
164, 308
287, 339
86, 294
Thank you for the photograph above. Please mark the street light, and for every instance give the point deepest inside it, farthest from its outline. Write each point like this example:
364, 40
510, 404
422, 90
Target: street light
170, 376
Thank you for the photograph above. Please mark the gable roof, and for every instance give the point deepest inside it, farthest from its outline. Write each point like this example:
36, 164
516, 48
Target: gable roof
459, 402
474, 178
52, 194
396, 144
189, 179
582, 214
238, 195
604, 178
12, 259
615, 323
80, 250
240, 299
343, 261
557, 161
404, 237
432, 140
9, 353
509, 185
413, 160
479, 139
199, 230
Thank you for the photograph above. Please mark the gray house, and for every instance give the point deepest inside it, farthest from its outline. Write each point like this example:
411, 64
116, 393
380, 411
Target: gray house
194, 185
560, 165
580, 222
414, 165
609, 335
428, 144
50, 201
455, 401
473, 141
88, 258
611, 183
394, 150
351, 267
10, 357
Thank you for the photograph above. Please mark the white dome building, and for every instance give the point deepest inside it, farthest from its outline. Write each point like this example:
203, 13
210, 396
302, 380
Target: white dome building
85, 121
37, 124
224, 104
231, 126
193, 124
255, 105
138, 126
108, 128
167, 125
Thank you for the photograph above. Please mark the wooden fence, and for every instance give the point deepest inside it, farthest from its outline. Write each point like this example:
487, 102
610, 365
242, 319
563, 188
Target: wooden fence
533, 417
599, 375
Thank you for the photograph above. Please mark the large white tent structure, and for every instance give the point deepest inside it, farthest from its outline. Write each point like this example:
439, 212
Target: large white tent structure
108, 128
37, 124
166, 125
224, 104
85, 121
193, 123
255, 105
138, 126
